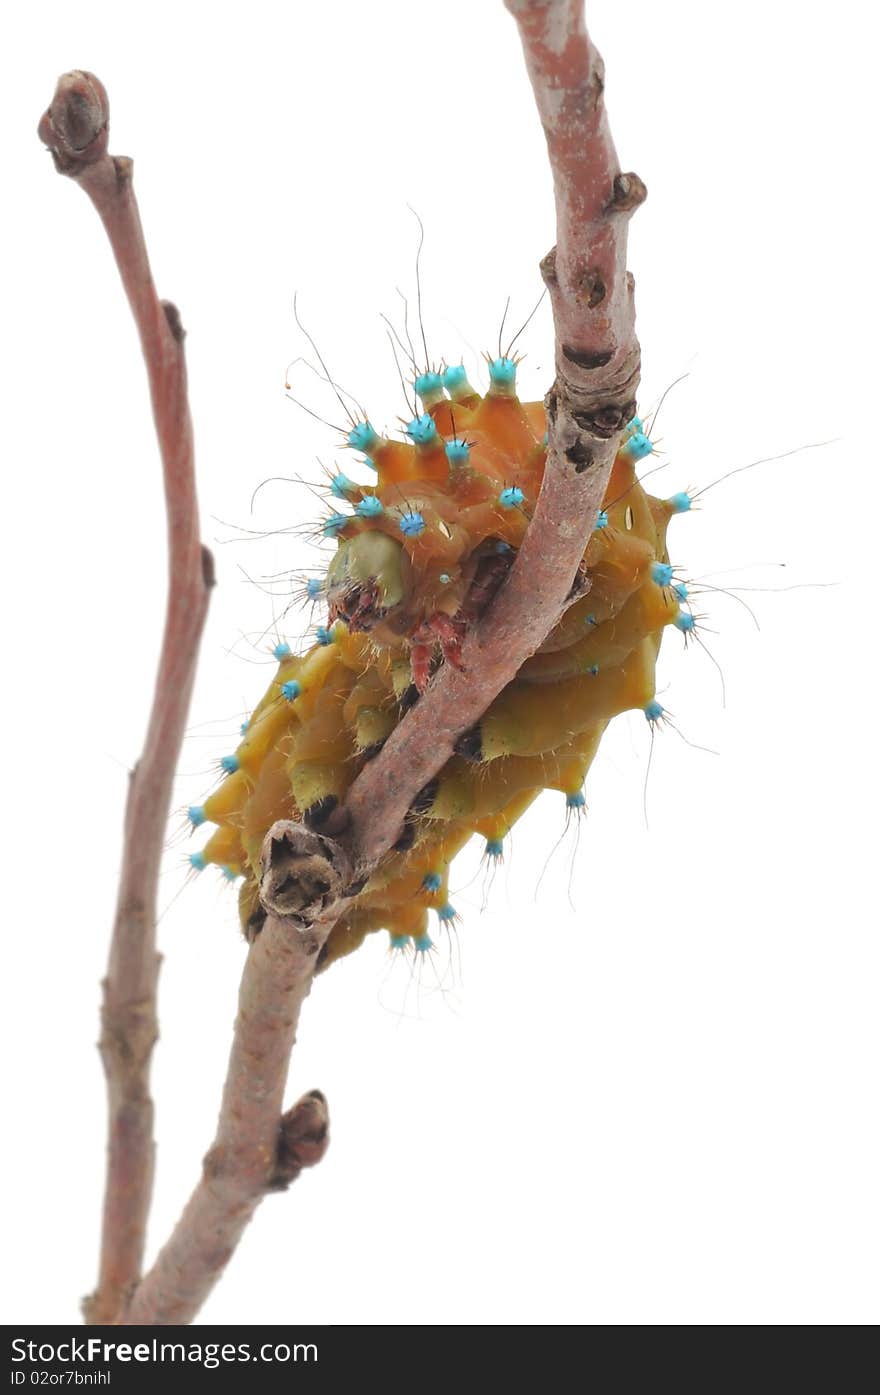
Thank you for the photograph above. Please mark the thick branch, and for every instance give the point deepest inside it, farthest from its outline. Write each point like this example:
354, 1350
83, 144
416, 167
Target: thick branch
256, 1149
75, 128
518, 621
597, 358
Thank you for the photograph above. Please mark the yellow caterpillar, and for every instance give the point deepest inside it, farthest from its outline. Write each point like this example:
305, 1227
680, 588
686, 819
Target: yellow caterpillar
419, 556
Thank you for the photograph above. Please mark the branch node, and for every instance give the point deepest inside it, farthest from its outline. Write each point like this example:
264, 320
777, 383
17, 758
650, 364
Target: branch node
587, 358
209, 575
172, 315
304, 873
548, 269
76, 125
580, 456
129, 1032
124, 168
629, 192
591, 290
607, 420
303, 1139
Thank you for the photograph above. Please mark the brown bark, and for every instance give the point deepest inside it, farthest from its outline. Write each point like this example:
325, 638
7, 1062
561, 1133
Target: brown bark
256, 1149
75, 128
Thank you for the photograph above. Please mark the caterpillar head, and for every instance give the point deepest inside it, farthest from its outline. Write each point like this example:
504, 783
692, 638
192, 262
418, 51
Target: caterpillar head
369, 579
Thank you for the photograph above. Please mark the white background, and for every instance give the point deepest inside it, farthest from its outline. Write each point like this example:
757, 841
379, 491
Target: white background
653, 1101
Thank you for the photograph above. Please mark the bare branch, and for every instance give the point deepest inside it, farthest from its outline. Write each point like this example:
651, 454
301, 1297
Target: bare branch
256, 1149
75, 129
597, 354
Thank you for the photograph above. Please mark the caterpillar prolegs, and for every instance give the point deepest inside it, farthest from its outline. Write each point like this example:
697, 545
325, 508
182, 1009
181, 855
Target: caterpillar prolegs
419, 553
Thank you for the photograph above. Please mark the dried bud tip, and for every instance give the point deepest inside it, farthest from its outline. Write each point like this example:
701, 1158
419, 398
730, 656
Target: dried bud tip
303, 873
628, 193
303, 1138
76, 126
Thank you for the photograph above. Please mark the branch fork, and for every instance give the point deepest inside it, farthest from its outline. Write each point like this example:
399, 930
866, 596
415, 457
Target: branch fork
307, 876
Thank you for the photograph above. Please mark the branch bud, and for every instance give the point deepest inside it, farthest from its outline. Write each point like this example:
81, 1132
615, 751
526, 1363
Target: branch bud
77, 123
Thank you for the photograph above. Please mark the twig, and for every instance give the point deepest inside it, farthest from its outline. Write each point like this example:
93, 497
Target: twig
592, 293
256, 1149
75, 128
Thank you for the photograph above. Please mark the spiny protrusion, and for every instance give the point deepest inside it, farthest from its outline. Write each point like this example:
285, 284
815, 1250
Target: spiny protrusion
511, 497
457, 452
364, 437
411, 524
422, 431
430, 388
637, 443
502, 376
342, 487
291, 690
334, 525
369, 507
455, 381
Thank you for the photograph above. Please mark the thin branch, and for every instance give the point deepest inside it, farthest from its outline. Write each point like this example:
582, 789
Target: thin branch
592, 293
75, 128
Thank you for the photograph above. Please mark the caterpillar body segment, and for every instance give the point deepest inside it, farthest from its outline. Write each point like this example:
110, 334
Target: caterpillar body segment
426, 544
607, 644
526, 721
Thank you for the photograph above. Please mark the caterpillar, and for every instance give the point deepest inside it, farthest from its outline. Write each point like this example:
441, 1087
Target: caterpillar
420, 552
